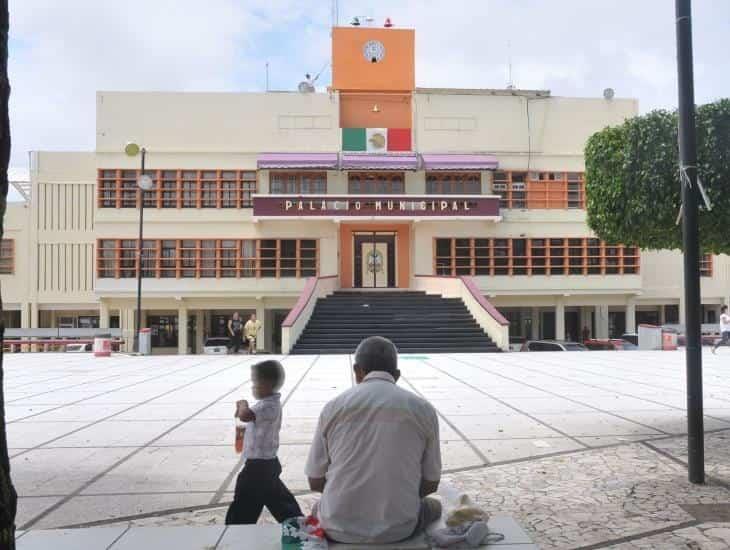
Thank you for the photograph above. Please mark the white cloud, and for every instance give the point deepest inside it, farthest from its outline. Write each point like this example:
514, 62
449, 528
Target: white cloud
62, 52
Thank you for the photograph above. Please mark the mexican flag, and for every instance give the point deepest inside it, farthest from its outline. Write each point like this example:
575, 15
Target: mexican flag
376, 140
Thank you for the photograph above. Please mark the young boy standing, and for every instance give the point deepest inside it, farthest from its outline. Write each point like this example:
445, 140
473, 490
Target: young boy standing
258, 483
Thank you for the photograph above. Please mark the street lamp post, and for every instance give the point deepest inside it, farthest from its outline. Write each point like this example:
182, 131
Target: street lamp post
145, 183
690, 242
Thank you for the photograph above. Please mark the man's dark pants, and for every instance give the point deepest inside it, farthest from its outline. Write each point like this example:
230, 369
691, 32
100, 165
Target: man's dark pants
236, 342
724, 340
258, 485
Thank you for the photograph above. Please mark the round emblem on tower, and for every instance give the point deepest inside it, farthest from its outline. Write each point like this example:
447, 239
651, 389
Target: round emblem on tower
374, 51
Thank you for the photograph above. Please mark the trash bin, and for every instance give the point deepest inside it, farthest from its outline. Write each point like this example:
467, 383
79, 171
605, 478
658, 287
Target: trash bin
650, 337
669, 340
102, 345
145, 341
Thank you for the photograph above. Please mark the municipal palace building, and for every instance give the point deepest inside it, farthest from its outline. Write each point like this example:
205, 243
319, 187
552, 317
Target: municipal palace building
375, 184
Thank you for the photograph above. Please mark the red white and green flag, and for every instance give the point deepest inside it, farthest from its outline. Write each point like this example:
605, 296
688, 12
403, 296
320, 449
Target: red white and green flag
376, 140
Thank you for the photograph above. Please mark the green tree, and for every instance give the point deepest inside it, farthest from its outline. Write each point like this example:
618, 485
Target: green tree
633, 186
8, 497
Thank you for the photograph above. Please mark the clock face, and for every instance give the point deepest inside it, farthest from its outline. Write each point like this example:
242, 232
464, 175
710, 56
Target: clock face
373, 50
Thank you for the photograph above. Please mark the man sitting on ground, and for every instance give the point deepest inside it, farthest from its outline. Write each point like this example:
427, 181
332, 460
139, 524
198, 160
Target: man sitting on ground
375, 455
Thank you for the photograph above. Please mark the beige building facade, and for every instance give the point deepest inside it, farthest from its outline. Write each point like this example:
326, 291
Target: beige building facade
257, 192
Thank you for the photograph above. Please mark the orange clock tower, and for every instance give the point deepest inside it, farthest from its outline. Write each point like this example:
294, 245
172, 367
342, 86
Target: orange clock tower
374, 71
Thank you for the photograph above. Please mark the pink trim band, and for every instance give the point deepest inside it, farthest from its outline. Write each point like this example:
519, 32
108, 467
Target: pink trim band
486, 304
303, 300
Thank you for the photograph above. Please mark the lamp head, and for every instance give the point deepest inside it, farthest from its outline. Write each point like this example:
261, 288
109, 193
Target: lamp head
131, 149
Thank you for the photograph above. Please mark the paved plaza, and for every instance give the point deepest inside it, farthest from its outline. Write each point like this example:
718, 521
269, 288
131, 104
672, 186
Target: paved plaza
585, 450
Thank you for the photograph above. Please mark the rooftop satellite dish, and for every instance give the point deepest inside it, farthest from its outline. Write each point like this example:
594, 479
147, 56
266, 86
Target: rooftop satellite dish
608, 93
305, 87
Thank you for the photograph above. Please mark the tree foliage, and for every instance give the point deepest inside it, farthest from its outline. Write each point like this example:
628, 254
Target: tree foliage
633, 186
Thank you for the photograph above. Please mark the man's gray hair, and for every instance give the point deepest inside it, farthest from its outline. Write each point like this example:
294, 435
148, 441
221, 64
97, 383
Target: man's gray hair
377, 353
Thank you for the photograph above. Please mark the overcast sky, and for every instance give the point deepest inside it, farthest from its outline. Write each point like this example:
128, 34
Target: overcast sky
62, 52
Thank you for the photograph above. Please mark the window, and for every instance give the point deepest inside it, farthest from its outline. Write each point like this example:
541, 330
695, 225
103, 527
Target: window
169, 189
292, 183
208, 258
163, 330
228, 258
706, 265
149, 258
107, 259
384, 183
540, 190
7, 257
448, 183
572, 256
88, 321
178, 189
128, 259
511, 188
168, 260
108, 188
671, 314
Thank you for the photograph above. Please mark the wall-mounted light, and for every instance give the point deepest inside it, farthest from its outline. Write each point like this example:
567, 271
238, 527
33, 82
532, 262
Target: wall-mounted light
376, 109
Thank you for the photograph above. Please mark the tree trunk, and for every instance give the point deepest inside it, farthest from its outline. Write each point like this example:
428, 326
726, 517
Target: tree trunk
8, 497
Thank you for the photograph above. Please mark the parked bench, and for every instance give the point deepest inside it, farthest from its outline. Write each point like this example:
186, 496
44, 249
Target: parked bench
49, 344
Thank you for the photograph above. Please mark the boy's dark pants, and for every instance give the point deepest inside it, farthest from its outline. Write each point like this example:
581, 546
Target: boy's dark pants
258, 485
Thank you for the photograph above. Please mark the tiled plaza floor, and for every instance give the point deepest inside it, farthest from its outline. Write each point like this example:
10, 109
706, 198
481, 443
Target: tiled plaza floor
584, 449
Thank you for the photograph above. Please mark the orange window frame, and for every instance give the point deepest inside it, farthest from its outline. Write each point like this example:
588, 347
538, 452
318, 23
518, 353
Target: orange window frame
537, 256
389, 179
706, 265
439, 183
298, 182
7, 257
178, 188
540, 190
207, 258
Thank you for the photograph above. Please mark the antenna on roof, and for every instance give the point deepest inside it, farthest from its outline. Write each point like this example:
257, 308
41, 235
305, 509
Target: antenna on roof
335, 13
307, 85
510, 84
267, 76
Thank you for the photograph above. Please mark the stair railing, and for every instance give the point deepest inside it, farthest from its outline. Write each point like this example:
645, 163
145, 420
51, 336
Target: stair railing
293, 325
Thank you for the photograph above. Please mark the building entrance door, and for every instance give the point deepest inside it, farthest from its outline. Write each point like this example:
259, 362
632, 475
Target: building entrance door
374, 260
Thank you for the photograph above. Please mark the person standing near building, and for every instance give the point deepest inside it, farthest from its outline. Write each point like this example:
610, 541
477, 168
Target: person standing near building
251, 330
724, 329
235, 329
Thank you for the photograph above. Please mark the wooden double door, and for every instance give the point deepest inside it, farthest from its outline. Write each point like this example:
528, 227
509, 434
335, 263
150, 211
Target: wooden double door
374, 259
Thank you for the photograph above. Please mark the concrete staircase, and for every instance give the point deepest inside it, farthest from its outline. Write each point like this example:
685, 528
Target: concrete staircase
415, 321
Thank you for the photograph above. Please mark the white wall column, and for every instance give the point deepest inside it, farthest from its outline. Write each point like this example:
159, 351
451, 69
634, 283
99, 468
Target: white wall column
261, 316
535, 335
104, 314
34, 315
586, 320
25, 315
601, 322
560, 319
487, 179
182, 330
126, 324
631, 315
662, 315
199, 330
682, 310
